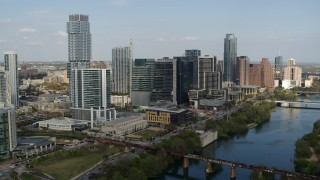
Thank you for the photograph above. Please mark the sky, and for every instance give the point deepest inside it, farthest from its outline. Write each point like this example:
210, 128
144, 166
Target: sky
36, 29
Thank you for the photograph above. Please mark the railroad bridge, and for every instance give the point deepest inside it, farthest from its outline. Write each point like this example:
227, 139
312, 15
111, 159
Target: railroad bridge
210, 161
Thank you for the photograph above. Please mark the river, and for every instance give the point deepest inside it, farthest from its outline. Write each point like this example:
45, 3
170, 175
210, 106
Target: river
271, 145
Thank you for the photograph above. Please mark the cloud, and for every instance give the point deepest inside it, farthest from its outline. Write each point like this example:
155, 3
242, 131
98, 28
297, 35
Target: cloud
27, 30
5, 20
189, 38
3, 41
61, 33
35, 43
60, 43
118, 2
172, 39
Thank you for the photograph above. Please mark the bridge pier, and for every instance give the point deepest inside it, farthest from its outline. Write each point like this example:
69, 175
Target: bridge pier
185, 166
209, 168
233, 172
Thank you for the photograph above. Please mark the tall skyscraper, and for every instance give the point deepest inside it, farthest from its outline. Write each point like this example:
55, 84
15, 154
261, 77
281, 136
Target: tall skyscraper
192, 53
230, 56
255, 74
266, 73
11, 68
79, 42
243, 72
278, 67
184, 78
90, 88
121, 69
8, 134
206, 66
163, 80
143, 72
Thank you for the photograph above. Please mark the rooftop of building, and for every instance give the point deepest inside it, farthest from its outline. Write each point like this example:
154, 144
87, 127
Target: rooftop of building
123, 119
63, 120
166, 107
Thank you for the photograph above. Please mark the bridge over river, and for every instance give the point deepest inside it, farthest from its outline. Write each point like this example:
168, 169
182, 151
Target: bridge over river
209, 161
299, 104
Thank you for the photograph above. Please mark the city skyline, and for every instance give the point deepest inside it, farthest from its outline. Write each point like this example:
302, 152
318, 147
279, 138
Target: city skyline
37, 31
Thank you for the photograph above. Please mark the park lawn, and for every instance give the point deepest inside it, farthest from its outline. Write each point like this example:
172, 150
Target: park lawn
148, 133
68, 168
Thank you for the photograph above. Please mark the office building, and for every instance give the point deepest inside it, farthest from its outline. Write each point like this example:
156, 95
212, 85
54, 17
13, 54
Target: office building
291, 62
255, 74
292, 74
204, 72
4, 90
8, 134
184, 78
192, 53
230, 55
90, 88
143, 72
79, 42
167, 115
266, 73
220, 65
243, 72
278, 68
163, 80
121, 69
11, 69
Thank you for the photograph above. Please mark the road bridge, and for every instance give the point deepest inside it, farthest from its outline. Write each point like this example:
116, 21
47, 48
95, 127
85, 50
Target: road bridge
299, 104
208, 160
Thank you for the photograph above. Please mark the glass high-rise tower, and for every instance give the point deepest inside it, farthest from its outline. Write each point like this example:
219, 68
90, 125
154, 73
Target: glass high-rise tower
278, 67
230, 56
79, 42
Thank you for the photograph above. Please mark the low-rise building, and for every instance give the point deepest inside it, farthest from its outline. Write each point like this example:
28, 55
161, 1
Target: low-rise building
29, 147
62, 124
123, 126
120, 100
167, 115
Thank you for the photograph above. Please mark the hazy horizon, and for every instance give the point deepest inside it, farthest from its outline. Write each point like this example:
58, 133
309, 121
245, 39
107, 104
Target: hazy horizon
37, 30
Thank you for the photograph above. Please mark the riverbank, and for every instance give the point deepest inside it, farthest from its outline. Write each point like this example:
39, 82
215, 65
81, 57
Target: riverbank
307, 152
241, 121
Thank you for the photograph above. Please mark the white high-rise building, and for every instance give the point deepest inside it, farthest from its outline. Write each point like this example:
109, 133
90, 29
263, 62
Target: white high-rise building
11, 69
8, 133
292, 75
122, 69
79, 42
90, 89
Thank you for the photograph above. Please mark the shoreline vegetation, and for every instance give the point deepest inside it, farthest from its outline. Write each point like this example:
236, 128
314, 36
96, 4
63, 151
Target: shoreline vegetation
152, 165
241, 121
307, 152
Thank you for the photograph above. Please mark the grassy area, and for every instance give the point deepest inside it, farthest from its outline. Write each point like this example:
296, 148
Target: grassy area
68, 167
147, 134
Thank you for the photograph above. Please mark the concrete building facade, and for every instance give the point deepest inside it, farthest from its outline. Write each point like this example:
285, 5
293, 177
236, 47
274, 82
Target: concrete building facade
11, 69
243, 70
79, 42
122, 69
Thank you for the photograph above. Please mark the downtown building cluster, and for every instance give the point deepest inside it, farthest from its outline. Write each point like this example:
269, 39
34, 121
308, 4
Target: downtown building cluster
181, 80
193, 80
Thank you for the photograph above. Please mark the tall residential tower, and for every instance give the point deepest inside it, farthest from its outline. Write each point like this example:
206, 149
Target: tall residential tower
122, 69
79, 42
230, 56
11, 69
